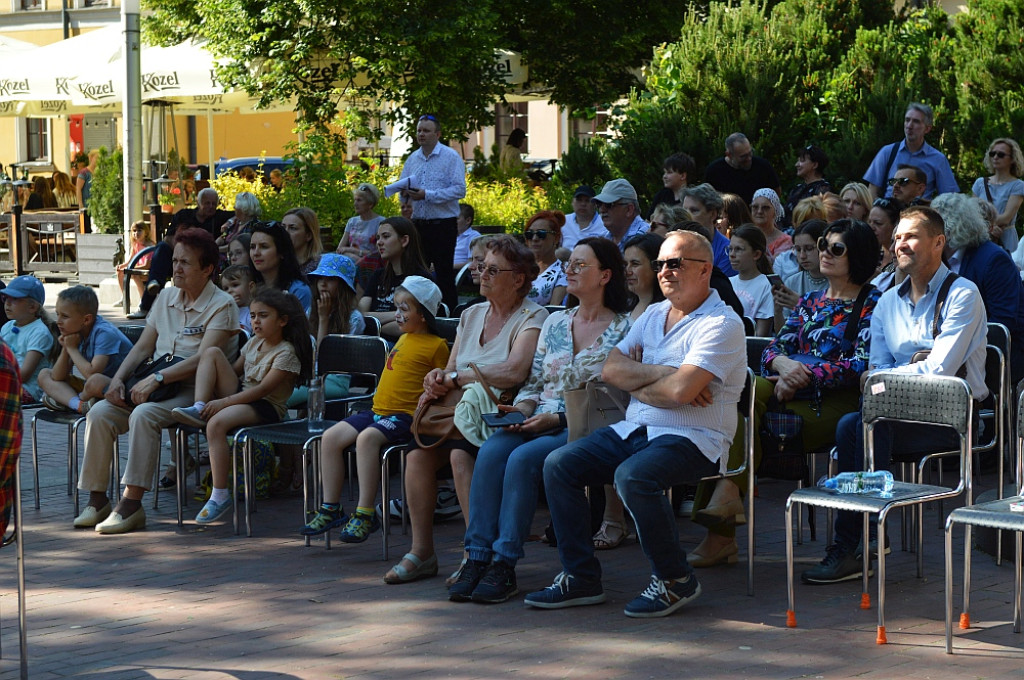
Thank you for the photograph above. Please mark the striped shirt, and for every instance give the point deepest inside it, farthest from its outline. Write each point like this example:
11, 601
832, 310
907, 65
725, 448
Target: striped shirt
710, 337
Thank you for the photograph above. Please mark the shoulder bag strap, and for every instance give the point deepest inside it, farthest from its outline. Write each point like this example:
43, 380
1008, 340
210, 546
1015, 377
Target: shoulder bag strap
853, 324
988, 193
894, 149
940, 300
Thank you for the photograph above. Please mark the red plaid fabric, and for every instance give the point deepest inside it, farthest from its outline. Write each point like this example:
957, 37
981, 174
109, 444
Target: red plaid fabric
10, 430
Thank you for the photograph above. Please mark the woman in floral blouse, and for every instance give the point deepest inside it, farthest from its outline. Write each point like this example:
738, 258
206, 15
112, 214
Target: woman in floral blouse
571, 351
808, 358
543, 235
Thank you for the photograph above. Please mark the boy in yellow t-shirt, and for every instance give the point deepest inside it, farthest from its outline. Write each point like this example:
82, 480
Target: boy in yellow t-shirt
417, 352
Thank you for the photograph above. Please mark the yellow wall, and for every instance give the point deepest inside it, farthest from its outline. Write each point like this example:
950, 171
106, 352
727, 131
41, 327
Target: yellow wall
235, 135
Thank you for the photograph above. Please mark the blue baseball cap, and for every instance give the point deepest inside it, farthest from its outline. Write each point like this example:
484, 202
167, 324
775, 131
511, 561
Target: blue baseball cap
338, 266
25, 286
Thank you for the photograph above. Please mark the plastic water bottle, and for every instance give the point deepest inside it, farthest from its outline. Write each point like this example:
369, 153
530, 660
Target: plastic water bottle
315, 405
879, 482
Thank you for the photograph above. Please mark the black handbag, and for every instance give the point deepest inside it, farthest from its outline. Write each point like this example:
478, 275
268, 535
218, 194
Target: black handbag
148, 368
782, 445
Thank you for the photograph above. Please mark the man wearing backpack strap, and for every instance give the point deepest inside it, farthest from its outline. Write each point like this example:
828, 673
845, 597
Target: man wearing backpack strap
912, 150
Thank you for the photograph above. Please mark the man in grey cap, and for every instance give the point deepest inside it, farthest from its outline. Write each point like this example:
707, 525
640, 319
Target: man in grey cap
620, 211
583, 221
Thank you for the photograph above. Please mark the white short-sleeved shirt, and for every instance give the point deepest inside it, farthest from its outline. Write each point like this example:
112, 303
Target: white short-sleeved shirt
756, 296
710, 337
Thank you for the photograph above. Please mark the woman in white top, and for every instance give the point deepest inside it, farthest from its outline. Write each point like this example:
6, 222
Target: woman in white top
1003, 189
543, 235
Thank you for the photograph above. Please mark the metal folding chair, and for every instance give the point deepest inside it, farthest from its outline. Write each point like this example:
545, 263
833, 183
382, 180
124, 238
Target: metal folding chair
994, 515
447, 328
746, 409
888, 396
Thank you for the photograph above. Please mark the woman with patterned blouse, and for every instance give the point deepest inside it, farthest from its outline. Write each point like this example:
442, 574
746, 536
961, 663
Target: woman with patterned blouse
571, 351
808, 358
543, 235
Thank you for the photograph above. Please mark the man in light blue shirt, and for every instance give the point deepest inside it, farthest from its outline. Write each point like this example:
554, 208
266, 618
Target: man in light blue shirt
683, 363
912, 150
900, 327
620, 211
437, 176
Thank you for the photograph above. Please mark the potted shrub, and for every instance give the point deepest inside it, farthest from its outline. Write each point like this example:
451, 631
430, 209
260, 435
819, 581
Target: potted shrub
106, 213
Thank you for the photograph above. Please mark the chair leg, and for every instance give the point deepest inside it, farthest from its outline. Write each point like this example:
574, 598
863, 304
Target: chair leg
1016, 584
35, 464
20, 538
800, 520
247, 457
949, 586
239, 441
790, 590
178, 447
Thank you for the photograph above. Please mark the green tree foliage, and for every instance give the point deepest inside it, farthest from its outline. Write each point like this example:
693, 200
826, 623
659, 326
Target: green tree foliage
836, 74
583, 163
106, 196
391, 60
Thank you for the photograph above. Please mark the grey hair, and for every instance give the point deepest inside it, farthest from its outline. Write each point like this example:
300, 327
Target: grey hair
923, 109
247, 202
674, 213
206, 191
734, 139
988, 211
707, 196
965, 226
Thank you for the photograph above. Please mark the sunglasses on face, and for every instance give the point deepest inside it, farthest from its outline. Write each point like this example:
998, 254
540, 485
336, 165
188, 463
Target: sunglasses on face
902, 181
539, 234
428, 117
997, 154
491, 270
837, 249
673, 263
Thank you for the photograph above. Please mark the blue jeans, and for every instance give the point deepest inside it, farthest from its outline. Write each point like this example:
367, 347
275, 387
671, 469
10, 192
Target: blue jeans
642, 470
503, 498
912, 440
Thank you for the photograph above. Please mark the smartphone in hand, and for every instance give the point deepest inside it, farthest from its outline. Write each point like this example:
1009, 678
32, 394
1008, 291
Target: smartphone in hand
775, 280
503, 418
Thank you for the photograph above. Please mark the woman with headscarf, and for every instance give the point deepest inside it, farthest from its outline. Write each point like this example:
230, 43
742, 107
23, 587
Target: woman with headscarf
767, 213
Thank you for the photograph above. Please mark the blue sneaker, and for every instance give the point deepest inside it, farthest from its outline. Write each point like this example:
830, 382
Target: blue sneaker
213, 511
661, 598
567, 591
324, 520
359, 527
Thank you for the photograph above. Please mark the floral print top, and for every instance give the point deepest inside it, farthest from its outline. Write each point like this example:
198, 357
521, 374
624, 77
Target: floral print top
556, 369
545, 284
816, 328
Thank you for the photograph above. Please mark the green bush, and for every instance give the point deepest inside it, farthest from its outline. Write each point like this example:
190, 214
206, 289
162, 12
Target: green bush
583, 163
106, 194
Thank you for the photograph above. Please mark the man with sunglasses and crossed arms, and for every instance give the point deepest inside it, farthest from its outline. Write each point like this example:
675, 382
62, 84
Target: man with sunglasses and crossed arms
912, 150
901, 326
437, 177
683, 363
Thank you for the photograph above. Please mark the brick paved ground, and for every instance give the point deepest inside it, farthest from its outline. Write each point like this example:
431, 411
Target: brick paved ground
207, 605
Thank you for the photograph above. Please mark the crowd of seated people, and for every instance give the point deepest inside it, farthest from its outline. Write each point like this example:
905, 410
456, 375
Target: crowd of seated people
841, 284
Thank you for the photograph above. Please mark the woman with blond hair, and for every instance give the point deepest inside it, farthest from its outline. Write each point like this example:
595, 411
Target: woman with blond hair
303, 227
64, 190
1003, 189
857, 199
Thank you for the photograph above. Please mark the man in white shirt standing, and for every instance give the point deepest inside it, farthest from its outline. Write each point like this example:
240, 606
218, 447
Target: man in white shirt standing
438, 176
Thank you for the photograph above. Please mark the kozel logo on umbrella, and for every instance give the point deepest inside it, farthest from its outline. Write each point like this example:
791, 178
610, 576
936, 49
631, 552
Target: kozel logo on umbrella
98, 91
13, 87
152, 82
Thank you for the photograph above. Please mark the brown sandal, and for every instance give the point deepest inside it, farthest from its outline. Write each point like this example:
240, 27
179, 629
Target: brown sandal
610, 535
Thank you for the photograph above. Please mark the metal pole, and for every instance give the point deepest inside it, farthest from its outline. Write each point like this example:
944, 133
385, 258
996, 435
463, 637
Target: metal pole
132, 112
209, 146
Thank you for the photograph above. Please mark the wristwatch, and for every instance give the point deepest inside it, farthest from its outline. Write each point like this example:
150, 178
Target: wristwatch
454, 375
159, 377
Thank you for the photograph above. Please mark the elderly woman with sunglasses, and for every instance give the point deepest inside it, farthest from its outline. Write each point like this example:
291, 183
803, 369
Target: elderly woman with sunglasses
1004, 189
767, 213
543, 235
810, 366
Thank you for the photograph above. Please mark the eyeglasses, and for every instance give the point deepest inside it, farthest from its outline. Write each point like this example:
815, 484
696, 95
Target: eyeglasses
902, 181
491, 270
837, 249
576, 266
882, 203
673, 263
539, 234
997, 154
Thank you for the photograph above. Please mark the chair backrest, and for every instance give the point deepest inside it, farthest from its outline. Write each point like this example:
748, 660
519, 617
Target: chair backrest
443, 310
999, 335
926, 399
360, 356
748, 326
372, 327
132, 331
447, 328
755, 348
1019, 448
554, 308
